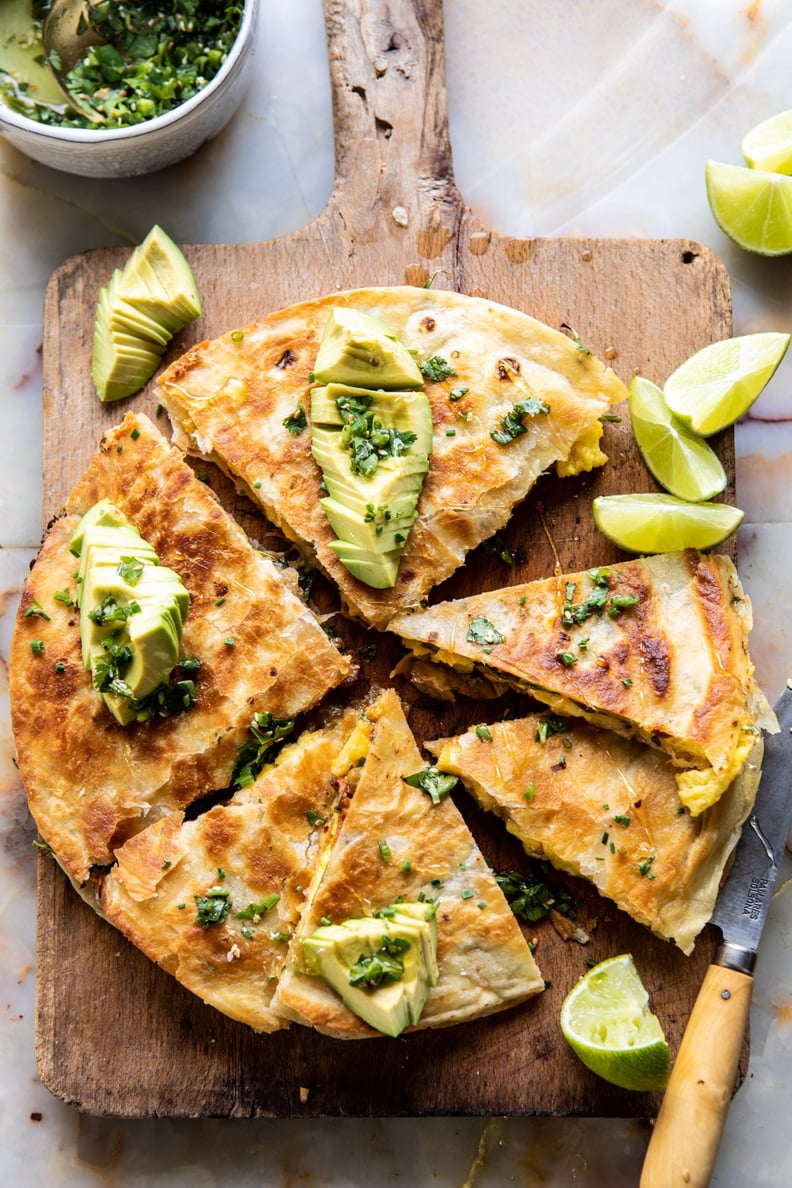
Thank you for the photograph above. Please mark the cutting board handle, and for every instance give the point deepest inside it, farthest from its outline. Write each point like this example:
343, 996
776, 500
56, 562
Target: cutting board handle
394, 176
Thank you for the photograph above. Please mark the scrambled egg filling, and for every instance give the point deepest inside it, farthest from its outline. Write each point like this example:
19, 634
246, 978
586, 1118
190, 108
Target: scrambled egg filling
698, 788
585, 453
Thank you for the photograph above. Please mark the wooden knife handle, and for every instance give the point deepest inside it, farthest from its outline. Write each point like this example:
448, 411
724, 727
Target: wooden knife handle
684, 1143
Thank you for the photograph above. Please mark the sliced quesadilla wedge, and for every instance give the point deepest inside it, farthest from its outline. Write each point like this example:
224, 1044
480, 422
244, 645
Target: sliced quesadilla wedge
510, 398
400, 846
92, 782
654, 648
215, 901
606, 808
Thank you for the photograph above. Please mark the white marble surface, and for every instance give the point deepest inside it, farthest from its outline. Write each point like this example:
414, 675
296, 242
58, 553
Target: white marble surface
576, 119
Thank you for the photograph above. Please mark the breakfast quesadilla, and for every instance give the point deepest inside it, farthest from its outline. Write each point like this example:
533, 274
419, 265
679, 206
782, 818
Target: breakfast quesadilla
654, 648
606, 808
249, 643
403, 846
509, 399
215, 900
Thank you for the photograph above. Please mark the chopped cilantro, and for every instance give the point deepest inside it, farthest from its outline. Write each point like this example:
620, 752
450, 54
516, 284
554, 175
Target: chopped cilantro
213, 907
315, 818
154, 58
584, 350
381, 967
531, 899
255, 910
437, 368
433, 782
512, 425
548, 725
567, 658
36, 609
267, 733
130, 569
296, 422
482, 632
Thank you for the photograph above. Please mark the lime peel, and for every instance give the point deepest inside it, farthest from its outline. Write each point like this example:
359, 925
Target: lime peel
752, 206
679, 459
606, 1020
716, 386
662, 523
768, 146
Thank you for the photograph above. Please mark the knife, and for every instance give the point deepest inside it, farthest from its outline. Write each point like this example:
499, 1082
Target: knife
686, 1135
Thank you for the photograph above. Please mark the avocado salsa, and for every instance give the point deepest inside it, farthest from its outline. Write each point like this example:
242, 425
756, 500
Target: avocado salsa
157, 54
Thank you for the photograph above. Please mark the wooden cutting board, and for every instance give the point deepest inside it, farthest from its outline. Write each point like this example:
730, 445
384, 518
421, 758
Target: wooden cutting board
115, 1035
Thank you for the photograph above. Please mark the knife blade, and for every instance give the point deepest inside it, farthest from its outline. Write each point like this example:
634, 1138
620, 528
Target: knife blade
687, 1133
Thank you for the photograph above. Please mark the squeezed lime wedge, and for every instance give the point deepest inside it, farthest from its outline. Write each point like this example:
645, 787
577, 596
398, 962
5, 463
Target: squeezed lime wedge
607, 1022
663, 523
679, 459
717, 385
768, 146
752, 206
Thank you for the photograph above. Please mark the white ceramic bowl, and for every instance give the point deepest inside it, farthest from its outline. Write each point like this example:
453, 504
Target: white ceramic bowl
142, 148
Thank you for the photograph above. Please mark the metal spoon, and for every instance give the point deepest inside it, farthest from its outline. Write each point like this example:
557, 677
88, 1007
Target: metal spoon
66, 35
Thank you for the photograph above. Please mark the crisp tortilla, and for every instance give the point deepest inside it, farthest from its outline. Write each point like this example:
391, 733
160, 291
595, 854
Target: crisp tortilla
672, 670
606, 808
266, 842
484, 960
228, 400
90, 782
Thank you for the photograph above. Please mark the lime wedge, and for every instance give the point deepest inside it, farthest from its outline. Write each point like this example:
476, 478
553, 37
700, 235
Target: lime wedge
714, 387
769, 145
607, 1022
663, 523
753, 207
679, 459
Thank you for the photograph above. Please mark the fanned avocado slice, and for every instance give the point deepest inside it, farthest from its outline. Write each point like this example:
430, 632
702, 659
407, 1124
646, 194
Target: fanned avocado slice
357, 348
373, 447
138, 312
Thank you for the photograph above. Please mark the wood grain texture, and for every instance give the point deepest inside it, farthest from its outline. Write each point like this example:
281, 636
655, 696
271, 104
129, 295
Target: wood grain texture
115, 1035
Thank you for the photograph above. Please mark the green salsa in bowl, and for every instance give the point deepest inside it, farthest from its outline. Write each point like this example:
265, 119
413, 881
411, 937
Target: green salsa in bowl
168, 76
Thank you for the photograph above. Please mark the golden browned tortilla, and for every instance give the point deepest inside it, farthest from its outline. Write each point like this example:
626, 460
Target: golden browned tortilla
663, 659
256, 856
606, 807
484, 961
90, 782
228, 400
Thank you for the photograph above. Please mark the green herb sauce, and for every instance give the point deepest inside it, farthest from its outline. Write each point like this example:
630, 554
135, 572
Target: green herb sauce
157, 54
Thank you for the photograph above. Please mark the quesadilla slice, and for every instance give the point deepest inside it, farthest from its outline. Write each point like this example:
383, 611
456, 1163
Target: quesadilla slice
606, 808
215, 901
654, 648
253, 644
400, 849
509, 398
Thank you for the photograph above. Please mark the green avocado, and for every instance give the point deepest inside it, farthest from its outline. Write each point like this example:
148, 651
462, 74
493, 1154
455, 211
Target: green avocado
103, 514
158, 281
357, 348
132, 609
406, 941
138, 312
155, 639
371, 513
